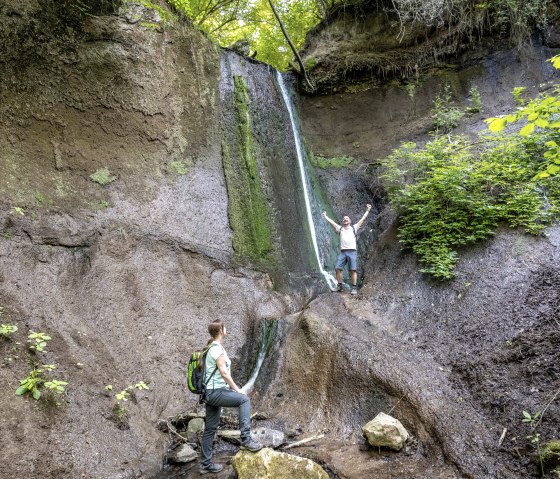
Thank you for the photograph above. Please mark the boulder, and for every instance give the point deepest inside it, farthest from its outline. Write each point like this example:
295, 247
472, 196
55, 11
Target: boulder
184, 454
268, 437
194, 429
270, 464
385, 431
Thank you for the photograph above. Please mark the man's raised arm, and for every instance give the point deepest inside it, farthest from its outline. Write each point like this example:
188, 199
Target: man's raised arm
333, 224
363, 218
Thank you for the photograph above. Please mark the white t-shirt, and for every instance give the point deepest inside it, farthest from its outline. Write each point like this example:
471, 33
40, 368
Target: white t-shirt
216, 381
347, 237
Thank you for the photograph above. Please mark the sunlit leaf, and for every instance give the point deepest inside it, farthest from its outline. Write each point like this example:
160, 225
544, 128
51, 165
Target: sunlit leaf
496, 124
527, 129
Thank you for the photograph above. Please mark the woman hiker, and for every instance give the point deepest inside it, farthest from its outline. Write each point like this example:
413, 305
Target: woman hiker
221, 391
348, 248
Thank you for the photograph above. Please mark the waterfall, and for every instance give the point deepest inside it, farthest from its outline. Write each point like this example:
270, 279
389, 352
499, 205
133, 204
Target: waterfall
267, 333
329, 278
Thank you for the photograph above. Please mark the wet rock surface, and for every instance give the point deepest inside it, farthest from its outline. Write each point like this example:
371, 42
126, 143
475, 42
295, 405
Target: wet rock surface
125, 277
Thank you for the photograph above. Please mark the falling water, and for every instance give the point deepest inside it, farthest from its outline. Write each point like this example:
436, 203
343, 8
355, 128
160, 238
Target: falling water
331, 281
267, 333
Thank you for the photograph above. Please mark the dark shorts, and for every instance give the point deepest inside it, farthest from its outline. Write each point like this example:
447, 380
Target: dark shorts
347, 256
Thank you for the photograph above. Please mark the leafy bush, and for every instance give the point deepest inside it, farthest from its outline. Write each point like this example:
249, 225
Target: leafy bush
38, 341
453, 192
449, 195
119, 413
445, 114
475, 101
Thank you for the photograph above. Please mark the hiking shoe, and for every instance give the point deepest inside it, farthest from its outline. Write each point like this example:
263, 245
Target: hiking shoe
339, 288
354, 290
210, 468
251, 445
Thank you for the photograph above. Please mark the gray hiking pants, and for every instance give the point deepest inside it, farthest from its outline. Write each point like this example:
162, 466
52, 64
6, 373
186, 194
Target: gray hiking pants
215, 399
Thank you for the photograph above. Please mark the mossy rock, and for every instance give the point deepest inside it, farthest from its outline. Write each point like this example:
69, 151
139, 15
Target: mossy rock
269, 464
551, 455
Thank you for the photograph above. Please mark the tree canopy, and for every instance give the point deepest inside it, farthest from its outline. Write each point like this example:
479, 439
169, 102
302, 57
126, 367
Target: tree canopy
228, 21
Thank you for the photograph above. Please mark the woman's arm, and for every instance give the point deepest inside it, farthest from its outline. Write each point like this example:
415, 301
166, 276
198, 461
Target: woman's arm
334, 225
221, 363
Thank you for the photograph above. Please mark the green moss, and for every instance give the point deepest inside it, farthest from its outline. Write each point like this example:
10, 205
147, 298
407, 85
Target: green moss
41, 198
249, 215
102, 176
179, 167
99, 205
333, 162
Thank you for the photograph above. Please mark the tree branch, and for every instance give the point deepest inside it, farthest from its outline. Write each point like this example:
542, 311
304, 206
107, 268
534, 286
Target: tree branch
287, 37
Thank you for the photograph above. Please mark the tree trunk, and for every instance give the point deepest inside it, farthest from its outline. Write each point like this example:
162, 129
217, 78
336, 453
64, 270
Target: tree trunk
302, 67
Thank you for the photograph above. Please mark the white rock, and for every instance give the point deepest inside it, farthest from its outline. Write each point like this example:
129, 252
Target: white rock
185, 454
385, 431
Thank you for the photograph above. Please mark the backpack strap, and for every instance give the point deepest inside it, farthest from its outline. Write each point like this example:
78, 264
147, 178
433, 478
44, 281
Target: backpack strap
204, 383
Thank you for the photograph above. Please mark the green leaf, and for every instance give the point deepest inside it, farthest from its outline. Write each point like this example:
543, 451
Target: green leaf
541, 122
36, 394
551, 144
526, 415
527, 129
496, 124
553, 169
555, 61
21, 390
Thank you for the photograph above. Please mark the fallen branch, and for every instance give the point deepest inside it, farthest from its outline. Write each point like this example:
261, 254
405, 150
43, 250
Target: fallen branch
303, 441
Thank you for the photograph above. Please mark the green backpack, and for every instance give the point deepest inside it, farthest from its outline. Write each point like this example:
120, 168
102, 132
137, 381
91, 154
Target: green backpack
196, 370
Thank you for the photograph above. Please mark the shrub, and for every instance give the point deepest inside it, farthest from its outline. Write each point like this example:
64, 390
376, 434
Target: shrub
445, 114
449, 195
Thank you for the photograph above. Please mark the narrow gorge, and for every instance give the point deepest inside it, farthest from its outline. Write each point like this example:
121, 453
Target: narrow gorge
151, 182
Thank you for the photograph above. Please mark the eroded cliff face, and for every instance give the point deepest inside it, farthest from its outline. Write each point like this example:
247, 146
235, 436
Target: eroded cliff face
124, 277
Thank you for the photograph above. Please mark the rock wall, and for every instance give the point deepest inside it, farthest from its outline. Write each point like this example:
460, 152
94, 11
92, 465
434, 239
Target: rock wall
125, 276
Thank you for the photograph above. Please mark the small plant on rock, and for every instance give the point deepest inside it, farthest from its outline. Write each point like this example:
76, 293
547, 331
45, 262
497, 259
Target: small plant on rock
535, 438
36, 381
38, 341
7, 329
475, 101
445, 114
119, 413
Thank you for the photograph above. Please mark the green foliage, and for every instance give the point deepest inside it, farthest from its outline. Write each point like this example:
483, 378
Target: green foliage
449, 194
541, 116
445, 114
517, 94
35, 382
333, 162
475, 101
157, 13
516, 18
38, 341
535, 438
7, 329
227, 21
120, 415
102, 176
18, 210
